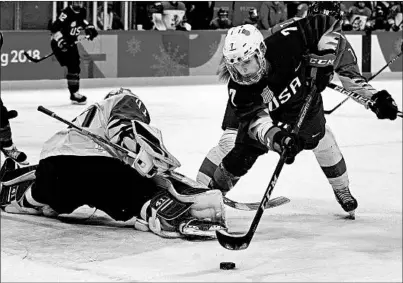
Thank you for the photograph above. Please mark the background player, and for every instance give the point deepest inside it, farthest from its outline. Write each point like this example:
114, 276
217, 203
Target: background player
65, 30
6, 142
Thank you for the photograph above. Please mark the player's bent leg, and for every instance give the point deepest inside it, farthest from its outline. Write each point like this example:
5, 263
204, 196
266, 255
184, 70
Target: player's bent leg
331, 161
184, 209
215, 156
235, 165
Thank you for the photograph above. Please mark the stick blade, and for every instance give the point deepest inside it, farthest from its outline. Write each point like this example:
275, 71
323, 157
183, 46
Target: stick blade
233, 241
31, 58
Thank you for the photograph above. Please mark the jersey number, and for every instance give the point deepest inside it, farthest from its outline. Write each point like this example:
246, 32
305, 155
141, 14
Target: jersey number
285, 31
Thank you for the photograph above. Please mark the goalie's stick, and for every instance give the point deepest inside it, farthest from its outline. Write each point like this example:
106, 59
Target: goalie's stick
241, 242
102, 141
356, 96
32, 59
328, 112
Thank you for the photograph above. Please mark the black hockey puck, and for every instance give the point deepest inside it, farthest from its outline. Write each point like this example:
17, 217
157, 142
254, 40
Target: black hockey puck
227, 265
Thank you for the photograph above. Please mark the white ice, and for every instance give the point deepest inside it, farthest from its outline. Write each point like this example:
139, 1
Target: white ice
305, 240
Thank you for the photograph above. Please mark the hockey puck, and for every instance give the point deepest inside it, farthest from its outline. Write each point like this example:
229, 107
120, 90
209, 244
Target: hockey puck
227, 265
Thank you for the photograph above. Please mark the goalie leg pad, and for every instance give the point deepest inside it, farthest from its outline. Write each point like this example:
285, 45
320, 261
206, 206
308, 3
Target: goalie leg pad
188, 211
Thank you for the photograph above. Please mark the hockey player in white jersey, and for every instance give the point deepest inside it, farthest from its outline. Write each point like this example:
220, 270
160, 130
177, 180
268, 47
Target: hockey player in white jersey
75, 170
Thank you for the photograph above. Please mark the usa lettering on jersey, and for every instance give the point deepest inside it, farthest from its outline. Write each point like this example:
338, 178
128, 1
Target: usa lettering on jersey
285, 95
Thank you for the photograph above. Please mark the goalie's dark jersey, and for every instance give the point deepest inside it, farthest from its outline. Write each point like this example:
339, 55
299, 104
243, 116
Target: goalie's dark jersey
70, 23
285, 81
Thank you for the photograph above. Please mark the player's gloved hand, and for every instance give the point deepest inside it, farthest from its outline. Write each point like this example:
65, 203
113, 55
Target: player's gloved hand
91, 32
285, 143
384, 105
323, 62
62, 44
11, 114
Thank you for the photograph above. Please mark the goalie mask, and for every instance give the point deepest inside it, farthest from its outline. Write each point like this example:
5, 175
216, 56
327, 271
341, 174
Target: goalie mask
242, 45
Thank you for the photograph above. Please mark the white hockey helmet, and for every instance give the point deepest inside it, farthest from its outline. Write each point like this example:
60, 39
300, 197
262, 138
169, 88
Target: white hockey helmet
243, 42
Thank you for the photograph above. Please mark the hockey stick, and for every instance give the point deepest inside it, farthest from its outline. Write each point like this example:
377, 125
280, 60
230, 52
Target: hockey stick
32, 59
372, 77
241, 242
100, 140
356, 96
96, 138
255, 205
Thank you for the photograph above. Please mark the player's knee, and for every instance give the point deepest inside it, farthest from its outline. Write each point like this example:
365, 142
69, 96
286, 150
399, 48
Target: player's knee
239, 160
215, 156
227, 141
223, 180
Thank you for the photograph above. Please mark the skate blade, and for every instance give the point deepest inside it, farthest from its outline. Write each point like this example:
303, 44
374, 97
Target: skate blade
78, 103
351, 215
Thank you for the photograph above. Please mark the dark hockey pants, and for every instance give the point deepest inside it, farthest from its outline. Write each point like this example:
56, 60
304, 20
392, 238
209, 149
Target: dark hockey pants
68, 182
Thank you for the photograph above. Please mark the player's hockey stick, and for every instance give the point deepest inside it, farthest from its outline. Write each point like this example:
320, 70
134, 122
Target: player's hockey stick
358, 97
255, 205
372, 77
100, 140
32, 59
241, 242
95, 137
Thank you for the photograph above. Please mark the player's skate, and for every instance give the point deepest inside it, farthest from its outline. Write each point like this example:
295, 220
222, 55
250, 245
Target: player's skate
15, 154
346, 200
77, 98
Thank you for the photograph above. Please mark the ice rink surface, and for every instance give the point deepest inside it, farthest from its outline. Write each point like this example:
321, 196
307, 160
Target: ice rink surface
305, 240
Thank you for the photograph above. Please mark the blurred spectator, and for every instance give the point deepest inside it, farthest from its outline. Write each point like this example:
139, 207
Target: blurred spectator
395, 16
113, 21
302, 10
221, 21
200, 14
272, 13
170, 15
359, 16
297, 9
253, 18
379, 15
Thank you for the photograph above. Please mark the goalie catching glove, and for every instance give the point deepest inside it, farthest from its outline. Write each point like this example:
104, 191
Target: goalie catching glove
183, 208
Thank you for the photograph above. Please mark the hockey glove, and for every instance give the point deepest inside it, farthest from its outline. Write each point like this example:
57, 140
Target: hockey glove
323, 61
384, 105
286, 144
91, 32
61, 43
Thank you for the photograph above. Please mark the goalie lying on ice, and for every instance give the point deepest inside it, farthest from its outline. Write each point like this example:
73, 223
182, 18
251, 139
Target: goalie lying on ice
75, 170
